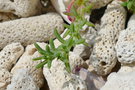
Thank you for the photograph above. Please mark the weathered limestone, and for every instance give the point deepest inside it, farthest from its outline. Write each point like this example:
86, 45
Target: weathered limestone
8, 57
30, 30
21, 8
120, 81
125, 46
5, 78
103, 57
22, 80
59, 79
25, 62
10, 54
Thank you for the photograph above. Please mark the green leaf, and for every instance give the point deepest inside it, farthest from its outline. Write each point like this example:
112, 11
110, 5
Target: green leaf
40, 50
66, 33
52, 44
49, 63
41, 64
58, 36
38, 58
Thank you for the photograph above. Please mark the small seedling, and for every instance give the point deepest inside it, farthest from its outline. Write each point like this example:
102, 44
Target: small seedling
73, 31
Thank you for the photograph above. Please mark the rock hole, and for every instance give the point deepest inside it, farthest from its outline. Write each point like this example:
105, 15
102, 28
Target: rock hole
103, 63
119, 56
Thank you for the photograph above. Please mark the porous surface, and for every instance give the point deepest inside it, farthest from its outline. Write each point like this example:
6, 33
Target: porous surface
25, 62
59, 79
120, 81
103, 57
30, 30
10, 54
5, 78
125, 46
21, 8
22, 80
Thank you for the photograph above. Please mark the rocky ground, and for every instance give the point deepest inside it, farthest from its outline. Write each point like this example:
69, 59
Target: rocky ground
107, 64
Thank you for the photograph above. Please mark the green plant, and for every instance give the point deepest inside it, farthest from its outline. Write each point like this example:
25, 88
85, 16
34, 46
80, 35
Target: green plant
130, 4
73, 30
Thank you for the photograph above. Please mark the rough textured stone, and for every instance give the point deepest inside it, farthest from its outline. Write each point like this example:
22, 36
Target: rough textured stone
5, 78
21, 8
22, 80
25, 62
103, 57
10, 54
120, 81
30, 30
125, 46
59, 79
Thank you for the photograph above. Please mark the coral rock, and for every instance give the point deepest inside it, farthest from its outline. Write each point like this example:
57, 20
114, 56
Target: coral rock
25, 62
118, 81
59, 79
10, 54
30, 30
125, 46
103, 57
22, 80
5, 78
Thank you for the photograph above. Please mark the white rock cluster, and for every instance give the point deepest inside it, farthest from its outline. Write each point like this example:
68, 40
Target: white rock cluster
8, 57
103, 57
25, 62
59, 79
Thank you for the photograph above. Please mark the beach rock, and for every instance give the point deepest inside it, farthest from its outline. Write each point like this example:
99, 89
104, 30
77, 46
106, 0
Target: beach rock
25, 62
5, 78
22, 80
125, 46
59, 79
29, 30
103, 57
10, 54
120, 81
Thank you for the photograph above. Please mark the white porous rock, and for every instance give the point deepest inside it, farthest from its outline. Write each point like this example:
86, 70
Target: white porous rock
26, 62
59, 79
125, 46
5, 78
84, 51
22, 80
103, 57
120, 81
7, 17
29, 30
21, 8
10, 54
